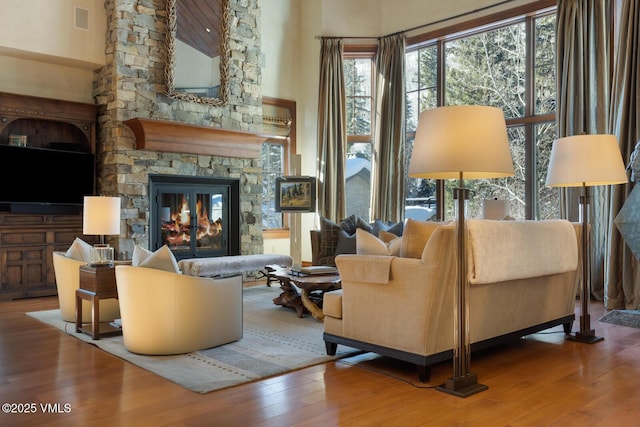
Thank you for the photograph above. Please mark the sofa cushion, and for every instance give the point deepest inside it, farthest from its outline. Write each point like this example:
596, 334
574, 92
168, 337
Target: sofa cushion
415, 236
332, 304
79, 250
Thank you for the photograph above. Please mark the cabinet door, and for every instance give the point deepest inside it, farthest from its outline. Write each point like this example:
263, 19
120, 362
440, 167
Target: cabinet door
24, 272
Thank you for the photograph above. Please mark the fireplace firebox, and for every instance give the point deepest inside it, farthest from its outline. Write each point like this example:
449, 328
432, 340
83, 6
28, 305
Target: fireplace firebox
195, 216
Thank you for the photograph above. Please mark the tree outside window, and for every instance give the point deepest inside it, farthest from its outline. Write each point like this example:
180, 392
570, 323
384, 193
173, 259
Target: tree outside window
490, 67
358, 77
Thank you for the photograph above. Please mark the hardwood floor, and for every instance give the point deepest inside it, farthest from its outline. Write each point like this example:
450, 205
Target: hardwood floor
540, 381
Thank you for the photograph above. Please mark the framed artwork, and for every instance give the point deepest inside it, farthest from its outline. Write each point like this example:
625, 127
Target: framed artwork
18, 140
295, 194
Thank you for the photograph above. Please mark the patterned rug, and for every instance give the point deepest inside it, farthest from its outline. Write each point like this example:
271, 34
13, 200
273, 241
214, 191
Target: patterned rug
274, 341
629, 318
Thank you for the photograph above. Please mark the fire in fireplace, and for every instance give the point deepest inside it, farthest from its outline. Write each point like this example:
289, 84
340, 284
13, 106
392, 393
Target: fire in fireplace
195, 216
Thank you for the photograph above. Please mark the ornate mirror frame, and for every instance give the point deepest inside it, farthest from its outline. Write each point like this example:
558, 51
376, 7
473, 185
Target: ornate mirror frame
170, 62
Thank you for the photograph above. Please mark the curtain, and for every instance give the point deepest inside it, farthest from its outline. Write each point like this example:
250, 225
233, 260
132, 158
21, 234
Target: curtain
332, 132
583, 106
388, 167
623, 270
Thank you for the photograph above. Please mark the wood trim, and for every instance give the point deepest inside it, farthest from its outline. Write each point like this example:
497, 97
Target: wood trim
480, 21
275, 233
177, 137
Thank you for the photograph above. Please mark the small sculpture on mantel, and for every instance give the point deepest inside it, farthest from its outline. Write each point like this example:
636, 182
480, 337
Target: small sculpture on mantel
634, 163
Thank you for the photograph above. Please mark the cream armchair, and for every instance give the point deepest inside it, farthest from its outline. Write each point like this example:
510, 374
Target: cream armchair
165, 313
67, 272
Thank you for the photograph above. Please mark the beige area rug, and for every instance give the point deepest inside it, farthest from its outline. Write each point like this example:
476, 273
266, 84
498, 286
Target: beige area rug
274, 341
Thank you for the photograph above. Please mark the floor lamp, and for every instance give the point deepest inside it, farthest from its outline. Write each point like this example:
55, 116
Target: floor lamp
461, 142
585, 161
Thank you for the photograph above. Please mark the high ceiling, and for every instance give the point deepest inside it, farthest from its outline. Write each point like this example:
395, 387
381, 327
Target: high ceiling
198, 24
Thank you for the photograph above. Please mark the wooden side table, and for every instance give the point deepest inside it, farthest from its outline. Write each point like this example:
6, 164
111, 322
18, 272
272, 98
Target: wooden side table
96, 283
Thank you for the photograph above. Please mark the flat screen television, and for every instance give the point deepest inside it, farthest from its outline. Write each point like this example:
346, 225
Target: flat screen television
40, 180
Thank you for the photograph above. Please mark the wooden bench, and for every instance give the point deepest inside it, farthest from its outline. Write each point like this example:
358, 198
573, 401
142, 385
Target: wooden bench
234, 264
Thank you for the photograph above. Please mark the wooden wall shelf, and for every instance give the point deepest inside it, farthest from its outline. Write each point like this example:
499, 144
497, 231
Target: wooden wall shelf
177, 137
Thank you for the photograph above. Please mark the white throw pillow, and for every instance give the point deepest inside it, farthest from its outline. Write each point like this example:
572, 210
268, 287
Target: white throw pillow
79, 250
162, 259
368, 244
139, 255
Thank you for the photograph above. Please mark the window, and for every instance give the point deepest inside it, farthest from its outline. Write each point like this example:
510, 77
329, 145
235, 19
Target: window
510, 65
278, 121
358, 77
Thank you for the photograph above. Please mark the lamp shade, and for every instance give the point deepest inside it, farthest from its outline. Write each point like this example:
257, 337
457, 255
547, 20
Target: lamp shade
471, 139
101, 216
586, 160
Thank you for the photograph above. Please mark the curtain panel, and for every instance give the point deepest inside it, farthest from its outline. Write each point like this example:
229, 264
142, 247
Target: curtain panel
583, 57
388, 167
332, 132
623, 269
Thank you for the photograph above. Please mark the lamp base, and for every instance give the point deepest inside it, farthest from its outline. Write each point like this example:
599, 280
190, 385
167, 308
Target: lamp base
588, 337
462, 386
101, 255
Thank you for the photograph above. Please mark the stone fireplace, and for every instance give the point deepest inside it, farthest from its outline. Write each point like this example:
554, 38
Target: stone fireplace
144, 133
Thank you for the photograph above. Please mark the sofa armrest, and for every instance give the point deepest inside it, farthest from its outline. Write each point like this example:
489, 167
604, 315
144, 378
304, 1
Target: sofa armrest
388, 314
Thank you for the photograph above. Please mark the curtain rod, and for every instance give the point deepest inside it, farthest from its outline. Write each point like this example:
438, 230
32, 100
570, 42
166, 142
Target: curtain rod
440, 21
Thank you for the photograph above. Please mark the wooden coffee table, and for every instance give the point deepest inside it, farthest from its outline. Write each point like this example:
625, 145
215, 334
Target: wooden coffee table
312, 289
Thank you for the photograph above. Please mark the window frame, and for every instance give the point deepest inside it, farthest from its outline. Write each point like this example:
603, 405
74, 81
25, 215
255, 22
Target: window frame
438, 38
289, 143
362, 51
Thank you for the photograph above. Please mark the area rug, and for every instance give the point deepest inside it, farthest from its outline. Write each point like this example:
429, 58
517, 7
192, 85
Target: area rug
629, 318
275, 340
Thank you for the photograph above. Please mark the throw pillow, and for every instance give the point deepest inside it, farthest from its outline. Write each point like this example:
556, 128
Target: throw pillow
397, 228
329, 232
346, 243
79, 250
379, 225
415, 236
139, 255
368, 244
353, 222
386, 237
162, 259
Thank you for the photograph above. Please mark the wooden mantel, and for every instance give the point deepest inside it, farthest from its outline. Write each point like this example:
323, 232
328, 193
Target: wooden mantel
177, 137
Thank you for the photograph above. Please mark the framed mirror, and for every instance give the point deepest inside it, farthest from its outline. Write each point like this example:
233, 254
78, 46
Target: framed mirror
197, 46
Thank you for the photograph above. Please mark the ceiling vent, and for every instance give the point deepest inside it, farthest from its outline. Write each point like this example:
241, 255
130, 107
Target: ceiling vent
81, 20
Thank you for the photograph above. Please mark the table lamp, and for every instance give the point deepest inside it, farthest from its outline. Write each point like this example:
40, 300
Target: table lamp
100, 217
585, 161
461, 142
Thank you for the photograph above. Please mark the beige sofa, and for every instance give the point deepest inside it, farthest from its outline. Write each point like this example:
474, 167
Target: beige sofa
522, 274
171, 313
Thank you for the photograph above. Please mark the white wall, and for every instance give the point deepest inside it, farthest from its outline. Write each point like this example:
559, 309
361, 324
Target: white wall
42, 54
